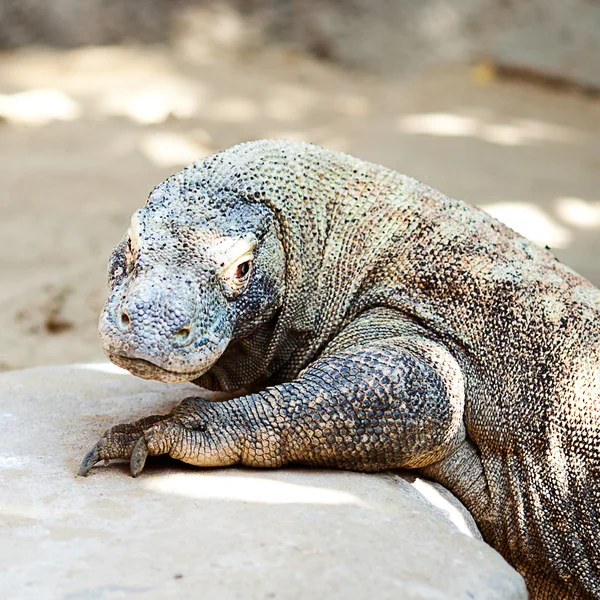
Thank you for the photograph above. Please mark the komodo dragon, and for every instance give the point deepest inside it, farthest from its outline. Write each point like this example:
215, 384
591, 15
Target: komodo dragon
374, 323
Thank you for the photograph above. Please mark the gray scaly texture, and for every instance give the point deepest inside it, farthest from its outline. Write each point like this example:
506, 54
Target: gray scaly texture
373, 323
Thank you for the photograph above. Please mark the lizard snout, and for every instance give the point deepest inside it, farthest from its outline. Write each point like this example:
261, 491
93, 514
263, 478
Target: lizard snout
161, 328
171, 322
180, 337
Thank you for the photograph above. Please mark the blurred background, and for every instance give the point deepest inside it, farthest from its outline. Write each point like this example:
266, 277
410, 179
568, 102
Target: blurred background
491, 101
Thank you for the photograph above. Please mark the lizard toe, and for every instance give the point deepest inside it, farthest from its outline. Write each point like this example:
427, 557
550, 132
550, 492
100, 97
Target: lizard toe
89, 461
117, 442
138, 457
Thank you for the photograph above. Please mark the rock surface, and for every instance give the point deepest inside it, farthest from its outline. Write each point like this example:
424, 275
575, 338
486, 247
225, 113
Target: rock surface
180, 532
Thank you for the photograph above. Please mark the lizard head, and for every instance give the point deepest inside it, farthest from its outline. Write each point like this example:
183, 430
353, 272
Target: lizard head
197, 269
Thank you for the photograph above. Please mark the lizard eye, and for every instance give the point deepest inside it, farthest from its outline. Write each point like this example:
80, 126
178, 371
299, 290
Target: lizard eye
237, 266
243, 270
237, 275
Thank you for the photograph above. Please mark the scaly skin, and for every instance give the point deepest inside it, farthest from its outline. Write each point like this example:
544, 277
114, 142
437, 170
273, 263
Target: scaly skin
376, 324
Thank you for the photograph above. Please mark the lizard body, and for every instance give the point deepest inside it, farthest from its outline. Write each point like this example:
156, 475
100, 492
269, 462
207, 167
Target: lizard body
374, 323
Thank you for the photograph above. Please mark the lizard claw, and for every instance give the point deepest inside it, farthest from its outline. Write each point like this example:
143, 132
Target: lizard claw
91, 458
179, 433
138, 457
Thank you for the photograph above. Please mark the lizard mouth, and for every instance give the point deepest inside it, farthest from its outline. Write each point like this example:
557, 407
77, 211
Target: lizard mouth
147, 370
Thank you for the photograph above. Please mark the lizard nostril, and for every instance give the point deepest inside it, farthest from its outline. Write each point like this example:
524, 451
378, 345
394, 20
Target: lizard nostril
125, 320
183, 334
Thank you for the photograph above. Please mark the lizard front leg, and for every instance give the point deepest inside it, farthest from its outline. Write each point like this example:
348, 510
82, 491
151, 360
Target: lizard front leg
373, 405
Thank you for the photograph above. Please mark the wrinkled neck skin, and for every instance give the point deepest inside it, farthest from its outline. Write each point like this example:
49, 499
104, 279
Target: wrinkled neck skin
282, 177
325, 206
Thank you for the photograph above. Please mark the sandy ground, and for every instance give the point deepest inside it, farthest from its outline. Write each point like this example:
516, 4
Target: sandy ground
86, 134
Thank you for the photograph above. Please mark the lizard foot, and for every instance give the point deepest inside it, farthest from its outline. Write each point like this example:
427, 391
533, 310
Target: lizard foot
195, 432
121, 441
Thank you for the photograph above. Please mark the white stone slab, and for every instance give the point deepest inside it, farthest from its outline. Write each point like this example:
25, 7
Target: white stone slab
182, 532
